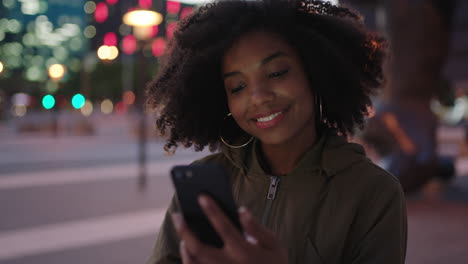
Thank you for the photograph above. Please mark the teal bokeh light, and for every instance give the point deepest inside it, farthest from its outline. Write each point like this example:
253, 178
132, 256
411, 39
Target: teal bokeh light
78, 101
48, 101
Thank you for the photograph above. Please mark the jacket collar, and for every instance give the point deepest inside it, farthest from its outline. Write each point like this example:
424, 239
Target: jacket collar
331, 154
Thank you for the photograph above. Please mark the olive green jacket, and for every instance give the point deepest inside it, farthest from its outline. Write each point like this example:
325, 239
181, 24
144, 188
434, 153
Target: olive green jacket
336, 206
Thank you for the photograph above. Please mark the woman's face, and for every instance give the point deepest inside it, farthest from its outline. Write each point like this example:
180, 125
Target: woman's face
267, 89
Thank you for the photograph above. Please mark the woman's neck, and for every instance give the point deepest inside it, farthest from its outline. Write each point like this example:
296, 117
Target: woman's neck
282, 159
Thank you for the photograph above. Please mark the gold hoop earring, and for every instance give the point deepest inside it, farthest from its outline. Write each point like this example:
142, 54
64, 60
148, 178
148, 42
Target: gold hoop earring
318, 103
226, 143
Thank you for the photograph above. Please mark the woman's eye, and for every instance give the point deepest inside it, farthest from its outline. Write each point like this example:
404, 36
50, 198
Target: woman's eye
237, 89
278, 73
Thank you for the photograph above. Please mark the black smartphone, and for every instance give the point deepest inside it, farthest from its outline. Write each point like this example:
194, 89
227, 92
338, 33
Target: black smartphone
210, 179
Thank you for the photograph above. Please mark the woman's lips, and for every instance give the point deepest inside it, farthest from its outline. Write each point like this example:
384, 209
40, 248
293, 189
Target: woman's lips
270, 120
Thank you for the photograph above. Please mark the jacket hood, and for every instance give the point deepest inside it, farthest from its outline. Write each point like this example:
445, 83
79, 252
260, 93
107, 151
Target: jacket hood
331, 153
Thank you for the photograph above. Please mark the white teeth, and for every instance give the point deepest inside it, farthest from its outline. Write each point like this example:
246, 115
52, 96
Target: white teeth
268, 118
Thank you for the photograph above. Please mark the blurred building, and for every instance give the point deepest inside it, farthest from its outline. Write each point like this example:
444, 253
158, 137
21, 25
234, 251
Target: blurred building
88, 38
36, 34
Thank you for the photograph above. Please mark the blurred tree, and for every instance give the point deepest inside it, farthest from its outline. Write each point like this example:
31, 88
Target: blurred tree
418, 32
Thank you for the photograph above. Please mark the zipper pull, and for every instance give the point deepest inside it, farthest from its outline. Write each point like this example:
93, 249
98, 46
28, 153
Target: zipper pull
274, 182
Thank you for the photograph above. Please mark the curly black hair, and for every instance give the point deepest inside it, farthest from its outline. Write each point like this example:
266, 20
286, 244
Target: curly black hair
342, 60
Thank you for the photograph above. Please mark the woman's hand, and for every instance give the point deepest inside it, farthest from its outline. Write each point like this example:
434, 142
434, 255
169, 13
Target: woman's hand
259, 245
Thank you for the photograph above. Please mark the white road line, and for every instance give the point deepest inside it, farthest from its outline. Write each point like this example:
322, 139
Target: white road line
58, 237
68, 176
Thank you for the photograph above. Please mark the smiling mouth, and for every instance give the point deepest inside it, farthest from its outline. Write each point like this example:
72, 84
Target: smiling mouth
270, 120
270, 117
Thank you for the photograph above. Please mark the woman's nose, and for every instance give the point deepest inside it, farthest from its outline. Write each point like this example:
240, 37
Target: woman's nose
261, 94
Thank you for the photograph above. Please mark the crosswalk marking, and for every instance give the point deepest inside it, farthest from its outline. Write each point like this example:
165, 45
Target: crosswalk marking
67, 176
57, 237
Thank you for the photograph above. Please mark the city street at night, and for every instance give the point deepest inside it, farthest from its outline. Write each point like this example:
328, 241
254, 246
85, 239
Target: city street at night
92, 92
77, 200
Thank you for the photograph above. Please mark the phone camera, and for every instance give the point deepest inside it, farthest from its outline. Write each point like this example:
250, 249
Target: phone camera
179, 175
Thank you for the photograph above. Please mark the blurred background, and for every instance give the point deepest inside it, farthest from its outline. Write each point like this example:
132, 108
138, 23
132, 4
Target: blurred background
83, 174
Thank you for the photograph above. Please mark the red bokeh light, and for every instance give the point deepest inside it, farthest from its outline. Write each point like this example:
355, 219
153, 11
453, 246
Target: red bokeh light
61, 101
145, 3
120, 108
128, 97
154, 31
170, 29
172, 7
101, 12
32, 101
112, 2
158, 47
129, 44
110, 39
185, 12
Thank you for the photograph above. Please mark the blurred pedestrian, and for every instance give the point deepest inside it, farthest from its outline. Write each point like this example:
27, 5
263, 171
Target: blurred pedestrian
275, 87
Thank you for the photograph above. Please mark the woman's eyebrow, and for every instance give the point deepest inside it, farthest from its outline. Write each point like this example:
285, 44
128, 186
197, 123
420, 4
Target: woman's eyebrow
263, 62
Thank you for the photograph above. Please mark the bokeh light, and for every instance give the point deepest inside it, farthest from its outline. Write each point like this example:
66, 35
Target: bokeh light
107, 52
14, 26
158, 47
78, 100
76, 44
101, 13
125, 29
106, 106
87, 108
145, 3
31, 7
35, 73
142, 18
75, 65
9, 3
48, 101
170, 28
129, 44
20, 99
114, 53
1, 67
90, 31
128, 97
185, 12
51, 86
103, 52
172, 7
60, 53
56, 71
89, 7
120, 108
19, 110
110, 39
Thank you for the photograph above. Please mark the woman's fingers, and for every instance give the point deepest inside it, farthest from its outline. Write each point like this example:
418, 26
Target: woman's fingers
191, 242
221, 223
256, 233
186, 257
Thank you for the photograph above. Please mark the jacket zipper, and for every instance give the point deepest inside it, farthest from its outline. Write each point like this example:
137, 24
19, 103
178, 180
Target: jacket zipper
272, 191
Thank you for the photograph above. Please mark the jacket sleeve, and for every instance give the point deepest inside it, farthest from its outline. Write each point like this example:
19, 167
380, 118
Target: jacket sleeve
384, 229
166, 248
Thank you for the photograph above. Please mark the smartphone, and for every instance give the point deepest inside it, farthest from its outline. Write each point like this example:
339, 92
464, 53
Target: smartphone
210, 179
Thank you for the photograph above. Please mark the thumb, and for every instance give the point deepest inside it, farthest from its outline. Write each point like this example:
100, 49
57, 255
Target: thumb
256, 233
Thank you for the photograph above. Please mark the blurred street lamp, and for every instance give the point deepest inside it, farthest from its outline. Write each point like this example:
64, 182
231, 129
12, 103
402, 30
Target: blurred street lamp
1, 67
107, 52
142, 22
56, 72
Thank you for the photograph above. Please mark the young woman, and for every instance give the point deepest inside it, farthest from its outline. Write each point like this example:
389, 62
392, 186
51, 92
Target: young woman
275, 87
